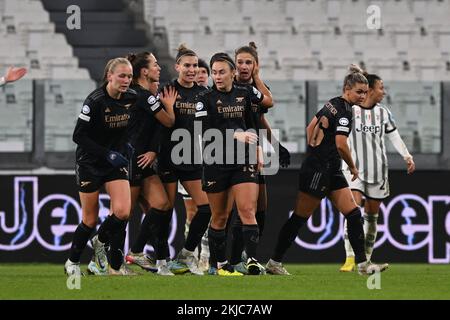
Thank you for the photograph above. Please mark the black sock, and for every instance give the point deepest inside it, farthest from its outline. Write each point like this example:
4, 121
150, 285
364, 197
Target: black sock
145, 233
80, 239
355, 232
117, 242
212, 261
161, 231
287, 235
260, 220
110, 225
199, 225
250, 233
217, 240
237, 241
112, 231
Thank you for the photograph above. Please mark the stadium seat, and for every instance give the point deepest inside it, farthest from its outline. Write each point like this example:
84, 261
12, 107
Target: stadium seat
305, 29
63, 101
29, 37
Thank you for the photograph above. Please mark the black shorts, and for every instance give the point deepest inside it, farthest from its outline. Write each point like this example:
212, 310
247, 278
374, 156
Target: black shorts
88, 182
216, 180
320, 183
137, 174
173, 175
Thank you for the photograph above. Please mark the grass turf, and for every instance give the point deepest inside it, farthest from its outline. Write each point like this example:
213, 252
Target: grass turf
308, 281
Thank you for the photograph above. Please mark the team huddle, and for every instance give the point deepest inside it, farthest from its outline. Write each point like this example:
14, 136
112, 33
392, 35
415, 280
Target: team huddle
128, 135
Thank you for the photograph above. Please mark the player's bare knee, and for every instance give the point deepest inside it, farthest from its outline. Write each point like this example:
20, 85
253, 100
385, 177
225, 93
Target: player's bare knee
162, 204
219, 222
121, 211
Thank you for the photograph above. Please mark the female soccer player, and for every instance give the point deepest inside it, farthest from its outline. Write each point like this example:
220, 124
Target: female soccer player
12, 74
247, 64
203, 73
189, 204
321, 175
144, 138
227, 108
100, 135
372, 122
184, 167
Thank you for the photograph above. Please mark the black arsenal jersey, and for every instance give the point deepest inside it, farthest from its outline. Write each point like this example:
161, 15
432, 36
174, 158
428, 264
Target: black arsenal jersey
333, 119
224, 111
143, 125
257, 109
102, 126
184, 110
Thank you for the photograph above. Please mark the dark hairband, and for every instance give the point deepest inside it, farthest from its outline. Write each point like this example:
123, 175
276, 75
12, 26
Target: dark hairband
222, 57
189, 54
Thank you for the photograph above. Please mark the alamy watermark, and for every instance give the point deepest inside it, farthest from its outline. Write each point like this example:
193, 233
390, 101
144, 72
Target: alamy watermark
213, 146
373, 21
74, 282
374, 281
73, 22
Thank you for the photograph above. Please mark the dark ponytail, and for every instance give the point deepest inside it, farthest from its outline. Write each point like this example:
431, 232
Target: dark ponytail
251, 49
372, 79
184, 51
138, 61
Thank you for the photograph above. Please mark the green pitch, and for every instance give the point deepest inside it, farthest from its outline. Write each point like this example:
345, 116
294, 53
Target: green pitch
318, 281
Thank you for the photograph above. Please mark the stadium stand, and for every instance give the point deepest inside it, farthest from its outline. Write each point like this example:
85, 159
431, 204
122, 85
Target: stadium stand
290, 31
299, 42
62, 103
29, 39
16, 102
108, 29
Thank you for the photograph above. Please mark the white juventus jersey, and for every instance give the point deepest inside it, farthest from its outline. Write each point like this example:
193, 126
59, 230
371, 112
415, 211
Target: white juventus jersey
367, 142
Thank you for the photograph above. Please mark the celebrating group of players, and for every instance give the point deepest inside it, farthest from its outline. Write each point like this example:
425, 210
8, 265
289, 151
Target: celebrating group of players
127, 137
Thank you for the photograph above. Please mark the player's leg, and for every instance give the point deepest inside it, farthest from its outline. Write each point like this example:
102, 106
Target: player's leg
343, 200
161, 216
113, 229
217, 232
349, 264
370, 217
304, 207
198, 226
238, 256
191, 210
83, 232
246, 197
154, 196
189, 206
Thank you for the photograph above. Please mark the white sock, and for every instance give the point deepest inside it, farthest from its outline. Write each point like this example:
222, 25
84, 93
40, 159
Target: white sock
186, 252
348, 247
205, 246
271, 261
161, 263
221, 264
370, 231
195, 252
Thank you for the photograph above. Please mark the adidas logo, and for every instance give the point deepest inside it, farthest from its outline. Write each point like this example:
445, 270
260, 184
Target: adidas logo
210, 183
239, 99
219, 102
107, 110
